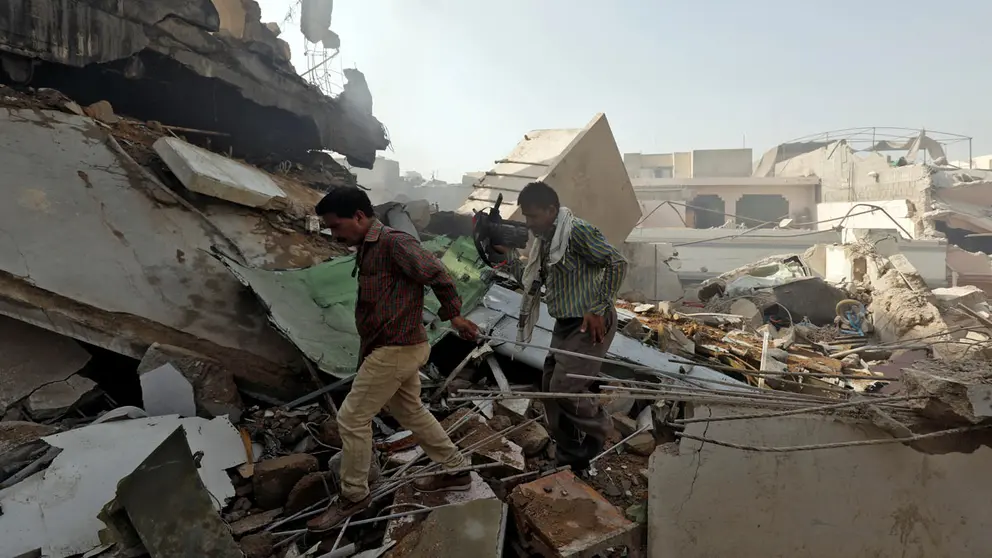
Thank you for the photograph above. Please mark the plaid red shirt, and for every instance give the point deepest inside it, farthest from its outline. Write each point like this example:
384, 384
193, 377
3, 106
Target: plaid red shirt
393, 269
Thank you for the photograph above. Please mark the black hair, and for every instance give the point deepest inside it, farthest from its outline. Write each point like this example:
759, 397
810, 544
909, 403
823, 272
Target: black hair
538, 194
345, 202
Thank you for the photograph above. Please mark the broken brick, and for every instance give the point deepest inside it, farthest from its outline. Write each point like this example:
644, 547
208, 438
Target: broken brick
309, 490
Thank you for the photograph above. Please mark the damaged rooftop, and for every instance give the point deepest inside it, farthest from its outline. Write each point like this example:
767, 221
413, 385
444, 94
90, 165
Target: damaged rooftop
173, 314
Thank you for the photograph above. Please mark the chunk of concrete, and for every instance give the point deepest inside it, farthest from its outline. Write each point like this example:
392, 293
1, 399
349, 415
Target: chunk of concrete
950, 398
397, 529
254, 522
275, 478
214, 391
208, 173
560, 515
58, 398
475, 528
31, 357
641, 444
532, 438
969, 295
164, 391
498, 449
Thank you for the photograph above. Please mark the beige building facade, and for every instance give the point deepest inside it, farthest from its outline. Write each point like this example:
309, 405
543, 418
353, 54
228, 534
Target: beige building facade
711, 187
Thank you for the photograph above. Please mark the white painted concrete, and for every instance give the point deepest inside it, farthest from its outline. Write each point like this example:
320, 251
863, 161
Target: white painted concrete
207, 173
860, 216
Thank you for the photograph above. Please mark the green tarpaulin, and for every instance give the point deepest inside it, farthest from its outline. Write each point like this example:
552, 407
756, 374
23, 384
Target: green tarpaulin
315, 307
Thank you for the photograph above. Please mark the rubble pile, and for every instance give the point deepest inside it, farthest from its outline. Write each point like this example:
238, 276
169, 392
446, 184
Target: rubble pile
176, 394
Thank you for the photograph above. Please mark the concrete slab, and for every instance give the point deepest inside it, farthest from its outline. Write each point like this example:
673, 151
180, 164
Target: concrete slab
499, 450
475, 528
31, 357
901, 502
207, 173
147, 275
57, 398
407, 497
561, 516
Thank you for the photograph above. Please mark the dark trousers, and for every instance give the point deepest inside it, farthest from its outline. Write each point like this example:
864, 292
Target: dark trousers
578, 426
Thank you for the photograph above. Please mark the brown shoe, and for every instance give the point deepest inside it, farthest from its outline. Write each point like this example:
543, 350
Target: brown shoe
459, 482
338, 512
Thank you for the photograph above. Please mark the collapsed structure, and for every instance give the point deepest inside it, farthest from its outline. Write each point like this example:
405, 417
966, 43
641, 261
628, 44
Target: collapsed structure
149, 60
171, 311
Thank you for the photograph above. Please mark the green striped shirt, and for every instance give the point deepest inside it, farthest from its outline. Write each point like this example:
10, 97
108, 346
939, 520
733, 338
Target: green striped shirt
588, 277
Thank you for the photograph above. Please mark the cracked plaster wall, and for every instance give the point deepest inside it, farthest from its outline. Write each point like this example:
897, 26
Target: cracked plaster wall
875, 501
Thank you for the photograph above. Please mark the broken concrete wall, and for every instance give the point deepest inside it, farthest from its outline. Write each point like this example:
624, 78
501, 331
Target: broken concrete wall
902, 304
149, 58
884, 500
897, 215
97, 250
847, 176
970, 268
649, 274
583, 165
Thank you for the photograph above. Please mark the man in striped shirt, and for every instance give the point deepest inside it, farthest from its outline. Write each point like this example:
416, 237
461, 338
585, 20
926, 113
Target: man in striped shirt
581, 283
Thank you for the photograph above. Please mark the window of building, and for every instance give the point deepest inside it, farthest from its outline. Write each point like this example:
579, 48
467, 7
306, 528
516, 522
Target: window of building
663, 172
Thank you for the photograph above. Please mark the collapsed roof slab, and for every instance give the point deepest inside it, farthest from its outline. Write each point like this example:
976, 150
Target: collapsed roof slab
93, 248
881, 500
583, 165
164, 61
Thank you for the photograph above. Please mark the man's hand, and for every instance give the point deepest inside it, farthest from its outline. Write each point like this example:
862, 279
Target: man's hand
593, 323
467, 329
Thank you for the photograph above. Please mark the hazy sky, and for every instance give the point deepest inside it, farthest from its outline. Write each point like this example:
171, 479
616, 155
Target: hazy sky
458, 82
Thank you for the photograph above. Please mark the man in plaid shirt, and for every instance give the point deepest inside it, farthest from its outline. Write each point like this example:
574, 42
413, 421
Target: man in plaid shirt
392, 270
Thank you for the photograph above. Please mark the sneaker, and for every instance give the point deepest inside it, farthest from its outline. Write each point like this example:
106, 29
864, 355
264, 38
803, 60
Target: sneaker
336, 513
459, 482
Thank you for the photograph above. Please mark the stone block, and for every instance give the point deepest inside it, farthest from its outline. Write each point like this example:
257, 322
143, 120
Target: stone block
56, 399
275, 478
532, 438
214, 175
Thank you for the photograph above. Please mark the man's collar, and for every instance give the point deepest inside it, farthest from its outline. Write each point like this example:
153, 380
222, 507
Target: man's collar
375, 231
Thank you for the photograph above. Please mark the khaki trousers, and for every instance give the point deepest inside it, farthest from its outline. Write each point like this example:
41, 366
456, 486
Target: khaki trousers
389, 377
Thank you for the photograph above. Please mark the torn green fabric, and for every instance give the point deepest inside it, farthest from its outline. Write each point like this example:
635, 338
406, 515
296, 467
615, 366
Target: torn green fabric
315, 307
